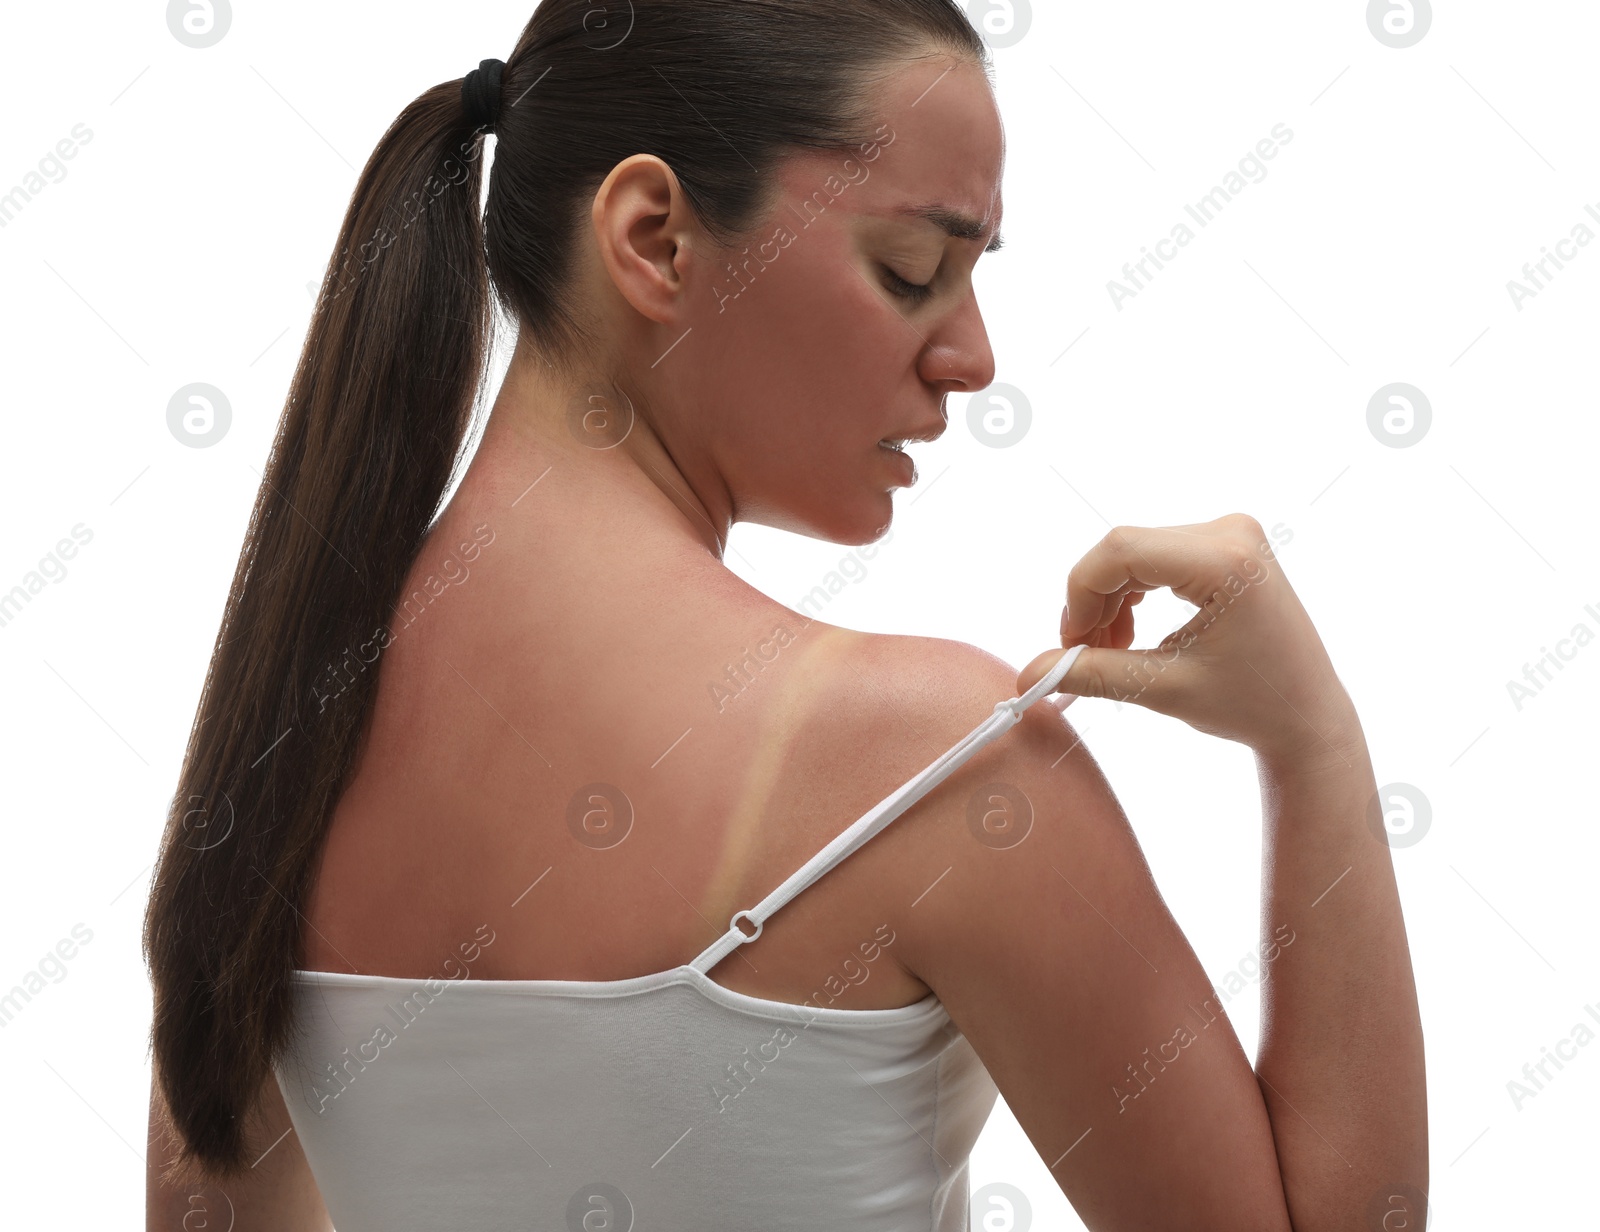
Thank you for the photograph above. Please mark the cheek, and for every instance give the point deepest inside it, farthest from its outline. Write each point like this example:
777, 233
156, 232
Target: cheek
809, 356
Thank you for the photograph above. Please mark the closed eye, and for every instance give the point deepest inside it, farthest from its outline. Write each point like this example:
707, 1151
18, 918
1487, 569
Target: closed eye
913, 291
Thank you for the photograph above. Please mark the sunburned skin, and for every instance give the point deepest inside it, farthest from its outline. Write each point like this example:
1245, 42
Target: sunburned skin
579, 649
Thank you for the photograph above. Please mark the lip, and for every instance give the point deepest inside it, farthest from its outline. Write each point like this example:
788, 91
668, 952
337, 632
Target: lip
918, 435
902, 462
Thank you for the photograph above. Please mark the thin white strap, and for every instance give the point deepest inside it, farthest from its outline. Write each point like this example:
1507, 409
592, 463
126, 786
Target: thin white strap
1006, 714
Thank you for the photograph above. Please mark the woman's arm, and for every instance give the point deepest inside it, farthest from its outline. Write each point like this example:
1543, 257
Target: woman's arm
1340, 1061
278, 1194
1340, 1064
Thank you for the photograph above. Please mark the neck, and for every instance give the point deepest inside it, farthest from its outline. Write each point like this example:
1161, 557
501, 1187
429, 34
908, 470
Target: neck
602, 437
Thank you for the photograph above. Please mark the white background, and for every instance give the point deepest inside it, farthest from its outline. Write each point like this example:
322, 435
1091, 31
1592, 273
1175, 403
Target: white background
179, 244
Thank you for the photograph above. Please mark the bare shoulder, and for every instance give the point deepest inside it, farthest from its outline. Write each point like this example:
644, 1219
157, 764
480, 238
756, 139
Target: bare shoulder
1018, 893
927, 674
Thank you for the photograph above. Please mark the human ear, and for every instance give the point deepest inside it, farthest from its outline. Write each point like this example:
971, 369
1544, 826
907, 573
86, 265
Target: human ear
642, 225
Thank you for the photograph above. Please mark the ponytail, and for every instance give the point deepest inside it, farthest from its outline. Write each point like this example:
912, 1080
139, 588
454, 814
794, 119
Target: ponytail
367, 445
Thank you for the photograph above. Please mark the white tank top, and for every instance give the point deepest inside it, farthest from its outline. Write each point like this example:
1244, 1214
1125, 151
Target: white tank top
662, 1103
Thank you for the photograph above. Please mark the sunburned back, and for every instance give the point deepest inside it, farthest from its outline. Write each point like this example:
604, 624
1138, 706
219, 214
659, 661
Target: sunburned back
580, 769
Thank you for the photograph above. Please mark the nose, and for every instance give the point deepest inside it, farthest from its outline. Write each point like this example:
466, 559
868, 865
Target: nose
958, 355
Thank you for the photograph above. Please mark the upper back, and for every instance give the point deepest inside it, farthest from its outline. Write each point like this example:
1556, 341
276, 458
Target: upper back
602, 789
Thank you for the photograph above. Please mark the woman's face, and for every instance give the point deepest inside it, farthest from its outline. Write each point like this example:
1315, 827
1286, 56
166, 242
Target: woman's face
812, 345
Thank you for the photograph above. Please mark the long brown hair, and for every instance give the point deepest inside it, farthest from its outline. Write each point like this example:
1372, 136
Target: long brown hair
372, 432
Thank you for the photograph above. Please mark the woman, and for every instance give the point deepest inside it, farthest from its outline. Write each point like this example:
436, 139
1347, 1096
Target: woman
463, 908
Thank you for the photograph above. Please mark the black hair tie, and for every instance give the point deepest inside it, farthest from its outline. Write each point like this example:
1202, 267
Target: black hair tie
480, 92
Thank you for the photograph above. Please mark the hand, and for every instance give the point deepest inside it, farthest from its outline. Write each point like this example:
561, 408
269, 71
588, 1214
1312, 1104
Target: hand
1248, 666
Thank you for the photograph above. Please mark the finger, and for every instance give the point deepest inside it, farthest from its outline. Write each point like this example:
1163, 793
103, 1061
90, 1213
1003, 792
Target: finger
1120, 631
1154, 679
1115, 606
1134, 558
1039, 666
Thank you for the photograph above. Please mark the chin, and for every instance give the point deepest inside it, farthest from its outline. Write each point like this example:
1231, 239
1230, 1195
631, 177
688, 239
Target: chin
866, 521
866, 530
856, 538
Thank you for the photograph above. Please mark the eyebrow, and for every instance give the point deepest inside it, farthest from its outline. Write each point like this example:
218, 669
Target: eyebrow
952, 222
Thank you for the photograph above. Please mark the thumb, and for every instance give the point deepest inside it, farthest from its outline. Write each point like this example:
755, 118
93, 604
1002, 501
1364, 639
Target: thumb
1041, 665
1098, 671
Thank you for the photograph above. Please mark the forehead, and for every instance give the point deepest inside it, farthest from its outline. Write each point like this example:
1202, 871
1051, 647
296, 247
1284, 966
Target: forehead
942, 146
